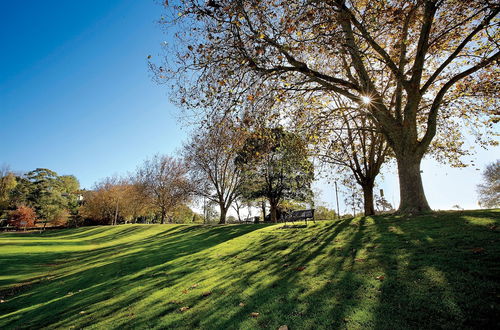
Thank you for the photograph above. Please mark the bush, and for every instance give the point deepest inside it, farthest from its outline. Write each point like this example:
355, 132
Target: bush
61, 218
22, 217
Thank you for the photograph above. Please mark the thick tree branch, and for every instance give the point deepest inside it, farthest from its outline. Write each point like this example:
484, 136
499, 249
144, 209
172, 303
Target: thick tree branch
433, 112
459, 48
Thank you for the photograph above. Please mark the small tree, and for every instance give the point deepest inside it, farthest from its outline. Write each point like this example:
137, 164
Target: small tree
113, 200
22, 217
351, 142
489, 190
275, 165
324, 213
210, 156
164, 180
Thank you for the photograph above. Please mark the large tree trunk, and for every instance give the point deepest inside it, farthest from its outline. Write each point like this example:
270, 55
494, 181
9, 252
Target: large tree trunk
263, 204
163, 216
223, 213
411, 189
274, 211
368, 198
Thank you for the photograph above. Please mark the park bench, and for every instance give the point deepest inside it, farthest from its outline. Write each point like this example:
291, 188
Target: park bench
300, 215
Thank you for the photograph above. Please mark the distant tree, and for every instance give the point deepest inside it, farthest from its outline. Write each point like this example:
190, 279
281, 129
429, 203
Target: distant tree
489, 190
353, 195
275, 165
382, 204
237, 205
49, 194
7, 183
324, 213
164, 180
70, 186
183, 214
110, 202
210, 157
22, 217
352, 142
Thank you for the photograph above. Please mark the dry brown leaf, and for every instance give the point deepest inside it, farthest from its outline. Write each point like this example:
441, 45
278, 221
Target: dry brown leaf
301, 268
254, 314
194, 285
185, 291
183, 309
285, 265
283, 327
242, 304
380, 278
478, 250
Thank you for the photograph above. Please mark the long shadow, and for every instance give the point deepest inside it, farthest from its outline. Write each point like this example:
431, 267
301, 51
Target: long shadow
381, 272
106, 274
437, 273
285, 293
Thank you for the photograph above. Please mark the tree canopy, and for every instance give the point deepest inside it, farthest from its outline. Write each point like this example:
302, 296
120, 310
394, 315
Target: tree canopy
421, 70
489, 190
276, 166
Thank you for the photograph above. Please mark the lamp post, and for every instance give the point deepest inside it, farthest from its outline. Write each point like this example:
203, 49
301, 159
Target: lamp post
337, 197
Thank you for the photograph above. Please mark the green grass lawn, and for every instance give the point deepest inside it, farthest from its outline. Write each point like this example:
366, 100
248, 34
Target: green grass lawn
433, 271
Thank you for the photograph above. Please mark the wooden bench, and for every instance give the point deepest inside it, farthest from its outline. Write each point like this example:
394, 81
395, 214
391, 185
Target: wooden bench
300, 215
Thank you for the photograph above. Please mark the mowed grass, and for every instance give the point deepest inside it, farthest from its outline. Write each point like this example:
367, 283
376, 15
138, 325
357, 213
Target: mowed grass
426, 272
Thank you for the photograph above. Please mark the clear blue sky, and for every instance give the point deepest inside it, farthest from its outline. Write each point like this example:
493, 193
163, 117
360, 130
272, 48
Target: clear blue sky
76, 96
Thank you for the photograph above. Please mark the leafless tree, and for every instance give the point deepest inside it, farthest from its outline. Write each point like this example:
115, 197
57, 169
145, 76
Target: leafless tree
164, 179
210, 156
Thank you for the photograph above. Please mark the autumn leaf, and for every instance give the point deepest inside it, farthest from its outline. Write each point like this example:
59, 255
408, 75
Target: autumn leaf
185, 291
242, 304
183, 309
478, 250
194, 285
380, 278
301, 268
254, 314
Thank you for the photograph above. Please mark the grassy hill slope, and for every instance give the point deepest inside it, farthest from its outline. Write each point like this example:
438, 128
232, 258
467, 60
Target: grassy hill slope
435, 271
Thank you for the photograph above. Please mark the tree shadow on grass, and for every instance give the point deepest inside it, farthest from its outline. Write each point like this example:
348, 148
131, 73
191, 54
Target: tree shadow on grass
381, 272
432, 270
102, 274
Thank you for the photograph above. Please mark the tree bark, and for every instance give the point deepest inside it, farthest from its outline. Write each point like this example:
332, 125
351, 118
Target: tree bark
163, 216
274, 211
368, 198
263, 204
411, 189
223, 212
